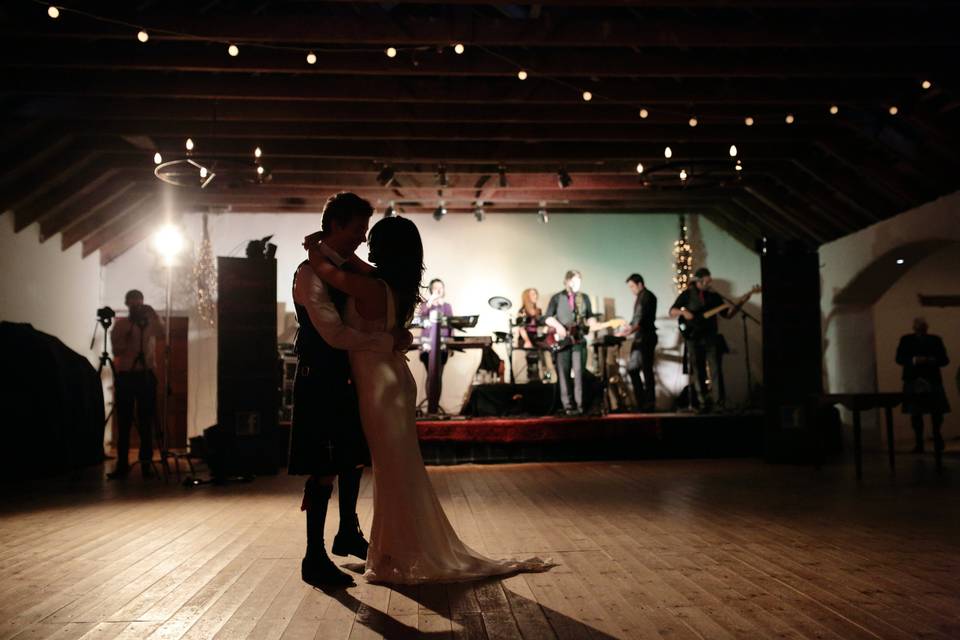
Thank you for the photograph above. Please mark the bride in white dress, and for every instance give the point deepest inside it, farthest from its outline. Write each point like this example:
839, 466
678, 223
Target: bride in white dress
411, 540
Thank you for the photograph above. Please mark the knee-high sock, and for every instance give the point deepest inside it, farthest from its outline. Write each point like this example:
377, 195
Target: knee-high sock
316, 498
348, 485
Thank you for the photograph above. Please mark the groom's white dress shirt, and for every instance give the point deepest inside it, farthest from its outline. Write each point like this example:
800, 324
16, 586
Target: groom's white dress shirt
311, 292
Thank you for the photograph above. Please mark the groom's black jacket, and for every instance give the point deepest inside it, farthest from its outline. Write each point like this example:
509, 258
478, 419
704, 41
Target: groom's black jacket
326, 436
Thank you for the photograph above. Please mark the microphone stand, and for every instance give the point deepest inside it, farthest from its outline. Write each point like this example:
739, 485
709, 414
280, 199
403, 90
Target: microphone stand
744, 315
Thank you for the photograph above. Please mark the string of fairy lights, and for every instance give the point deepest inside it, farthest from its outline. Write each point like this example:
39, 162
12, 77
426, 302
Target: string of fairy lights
142, 33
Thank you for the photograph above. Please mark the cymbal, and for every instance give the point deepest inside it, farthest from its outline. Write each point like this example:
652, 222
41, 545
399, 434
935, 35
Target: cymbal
500, 303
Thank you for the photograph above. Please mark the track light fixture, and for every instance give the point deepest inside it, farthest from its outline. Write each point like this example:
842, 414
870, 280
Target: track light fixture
440, 211
563, 178
542, 213
502, 171
478, 212
390, 211
386, 176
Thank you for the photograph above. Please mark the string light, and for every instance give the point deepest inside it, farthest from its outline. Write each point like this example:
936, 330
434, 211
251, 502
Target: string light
189, 144
203, 173
311, 58
53, 12
143, 36
391, 52
644, 113
682, 258
522, 74
738, 166
748, 121
834, 109
157, 158
789, 119
587, 96
233, 50
458, 48
733, 151
926, 84
259, 170
257, 152
893, 110
683, 175
205, 278
639, 167
693, 122
668, 153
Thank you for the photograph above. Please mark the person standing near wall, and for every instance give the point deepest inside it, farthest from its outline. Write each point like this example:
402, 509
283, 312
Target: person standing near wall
922, 355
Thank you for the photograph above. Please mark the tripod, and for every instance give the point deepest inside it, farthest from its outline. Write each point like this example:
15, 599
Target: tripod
105, 359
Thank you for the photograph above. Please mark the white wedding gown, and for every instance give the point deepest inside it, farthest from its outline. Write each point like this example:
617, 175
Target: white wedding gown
411, 540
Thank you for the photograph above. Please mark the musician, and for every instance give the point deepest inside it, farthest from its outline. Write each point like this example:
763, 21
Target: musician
644, 333
529, 320
435, 302
922, 356
704, 345
569, 314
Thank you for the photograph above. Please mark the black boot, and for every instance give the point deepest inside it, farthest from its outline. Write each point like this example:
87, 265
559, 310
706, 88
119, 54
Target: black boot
317, 569
349, 540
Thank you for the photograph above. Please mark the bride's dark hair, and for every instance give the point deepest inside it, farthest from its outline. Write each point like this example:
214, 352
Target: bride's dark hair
397, 252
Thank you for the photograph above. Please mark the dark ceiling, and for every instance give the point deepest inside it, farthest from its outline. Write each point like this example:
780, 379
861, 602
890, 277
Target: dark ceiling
87, 106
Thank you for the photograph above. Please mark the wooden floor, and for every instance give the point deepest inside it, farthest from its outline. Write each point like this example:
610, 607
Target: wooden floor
664, 549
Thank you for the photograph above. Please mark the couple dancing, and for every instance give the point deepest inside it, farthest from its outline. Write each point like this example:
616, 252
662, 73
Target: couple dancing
355, 402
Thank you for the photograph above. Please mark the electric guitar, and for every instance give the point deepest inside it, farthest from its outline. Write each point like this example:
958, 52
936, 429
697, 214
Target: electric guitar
576, 334
691, 329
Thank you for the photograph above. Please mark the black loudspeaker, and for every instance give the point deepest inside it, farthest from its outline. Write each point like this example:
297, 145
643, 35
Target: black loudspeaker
248, 383
792, 355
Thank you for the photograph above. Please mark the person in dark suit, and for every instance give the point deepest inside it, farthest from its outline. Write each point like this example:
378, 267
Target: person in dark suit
922, 355
644, 334
326, 437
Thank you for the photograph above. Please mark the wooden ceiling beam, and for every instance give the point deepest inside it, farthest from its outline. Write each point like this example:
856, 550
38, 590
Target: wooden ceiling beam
127, 203
125, 240
119, 226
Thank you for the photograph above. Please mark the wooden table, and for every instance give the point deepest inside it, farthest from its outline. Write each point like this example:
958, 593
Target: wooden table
857, 402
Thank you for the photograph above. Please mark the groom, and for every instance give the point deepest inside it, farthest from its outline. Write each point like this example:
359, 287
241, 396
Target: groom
326, 439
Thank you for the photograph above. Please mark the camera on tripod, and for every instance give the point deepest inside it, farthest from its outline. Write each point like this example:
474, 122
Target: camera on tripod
105, 316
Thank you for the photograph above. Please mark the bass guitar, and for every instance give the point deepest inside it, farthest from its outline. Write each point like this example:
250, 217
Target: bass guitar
577, 334
691, 329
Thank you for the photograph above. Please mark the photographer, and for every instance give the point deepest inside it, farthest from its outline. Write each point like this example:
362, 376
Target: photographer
135, 389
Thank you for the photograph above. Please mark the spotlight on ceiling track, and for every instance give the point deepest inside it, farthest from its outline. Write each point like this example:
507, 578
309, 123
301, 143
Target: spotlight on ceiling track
502, 172
542, 213
479, 213
563, 179
440, 211
386, 176
390, 211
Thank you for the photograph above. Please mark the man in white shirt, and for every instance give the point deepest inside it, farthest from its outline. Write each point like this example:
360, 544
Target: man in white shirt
326, 435
135, 389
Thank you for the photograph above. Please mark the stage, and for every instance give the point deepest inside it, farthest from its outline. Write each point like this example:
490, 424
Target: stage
624, 435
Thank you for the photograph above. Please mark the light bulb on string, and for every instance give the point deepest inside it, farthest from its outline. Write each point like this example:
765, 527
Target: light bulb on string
693, 122
233, 50
257, 152
391, 52
748, 121
668, 153
53, 12
893, 110
522, 74
311, 58
587, 96
259, 170
458, 48
639, 167
789, 119
834, 109
738, 166
157, 158
683, 174
644, 113
926, 84
733, 151
143, 36
189, 144
203, 173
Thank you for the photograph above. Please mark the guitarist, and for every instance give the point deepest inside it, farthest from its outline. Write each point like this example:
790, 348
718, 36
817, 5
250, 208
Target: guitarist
569, 314
704, 346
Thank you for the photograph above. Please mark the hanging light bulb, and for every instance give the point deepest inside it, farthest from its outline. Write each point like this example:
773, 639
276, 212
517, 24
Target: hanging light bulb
587, 96
391, 52
259, 170
693, 121
257, 152
733, 151
668, 153
748, 121
926, 84
311, 58
53, 12
893, 110
789, 119
834, 109
522, 74
233, 50
683, 174
157, 158
143, 36
203, 173
644, 113
458, 48
639, 167
738, 167
189, 144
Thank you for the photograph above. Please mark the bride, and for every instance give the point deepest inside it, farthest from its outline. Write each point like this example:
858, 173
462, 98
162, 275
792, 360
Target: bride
411, 540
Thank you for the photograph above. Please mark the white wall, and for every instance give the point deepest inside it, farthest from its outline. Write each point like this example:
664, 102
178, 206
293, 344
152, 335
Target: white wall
500, 256
850, 331
58, 292
893, 316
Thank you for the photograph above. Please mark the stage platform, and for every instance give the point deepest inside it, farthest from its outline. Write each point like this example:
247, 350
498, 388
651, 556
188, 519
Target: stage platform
627, 435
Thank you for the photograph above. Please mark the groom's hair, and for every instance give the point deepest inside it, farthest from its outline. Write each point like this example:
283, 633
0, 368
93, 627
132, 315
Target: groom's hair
343, 207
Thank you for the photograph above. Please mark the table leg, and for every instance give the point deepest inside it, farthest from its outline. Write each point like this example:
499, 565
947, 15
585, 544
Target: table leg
857, 452
889, 412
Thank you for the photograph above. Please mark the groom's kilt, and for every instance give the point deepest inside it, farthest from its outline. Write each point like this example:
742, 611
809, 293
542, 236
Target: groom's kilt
326, 436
